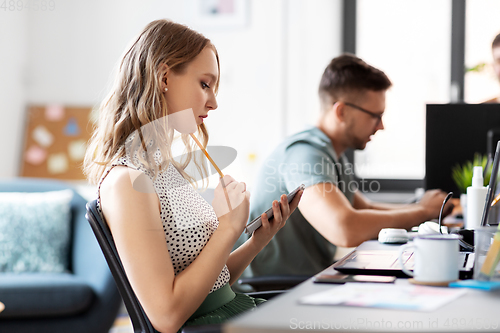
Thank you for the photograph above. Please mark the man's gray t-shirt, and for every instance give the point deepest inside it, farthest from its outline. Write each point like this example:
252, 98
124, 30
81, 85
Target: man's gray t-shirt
305, 158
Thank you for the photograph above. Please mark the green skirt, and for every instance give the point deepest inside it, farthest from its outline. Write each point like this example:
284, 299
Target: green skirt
222, 305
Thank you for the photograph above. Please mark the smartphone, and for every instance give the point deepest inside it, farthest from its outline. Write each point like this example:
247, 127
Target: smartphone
257, 222
342, 278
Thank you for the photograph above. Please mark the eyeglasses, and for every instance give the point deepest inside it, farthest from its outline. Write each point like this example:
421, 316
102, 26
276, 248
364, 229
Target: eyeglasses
373, 114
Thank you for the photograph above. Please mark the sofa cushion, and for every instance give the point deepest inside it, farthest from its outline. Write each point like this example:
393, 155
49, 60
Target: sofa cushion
35, 230
43, 295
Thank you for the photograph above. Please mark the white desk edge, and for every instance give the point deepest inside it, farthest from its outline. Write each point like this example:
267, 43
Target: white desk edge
476, 311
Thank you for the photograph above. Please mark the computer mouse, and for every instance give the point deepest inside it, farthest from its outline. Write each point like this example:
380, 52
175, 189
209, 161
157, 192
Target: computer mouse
429, 228
392, 236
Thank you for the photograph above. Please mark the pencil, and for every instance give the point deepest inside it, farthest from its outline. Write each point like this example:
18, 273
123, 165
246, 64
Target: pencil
206, 154
216, 168
497, 199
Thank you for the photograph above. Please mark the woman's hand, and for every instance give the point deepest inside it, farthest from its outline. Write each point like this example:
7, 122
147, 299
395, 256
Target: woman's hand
231, 205
282, 211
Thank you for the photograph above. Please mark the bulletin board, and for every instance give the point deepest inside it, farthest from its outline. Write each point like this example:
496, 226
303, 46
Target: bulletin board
56, 138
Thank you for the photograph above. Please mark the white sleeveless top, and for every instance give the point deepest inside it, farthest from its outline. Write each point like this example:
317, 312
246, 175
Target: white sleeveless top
188, 219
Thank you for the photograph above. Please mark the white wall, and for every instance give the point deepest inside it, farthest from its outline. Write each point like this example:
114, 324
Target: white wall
13, 76
314, 38
270, 66
270, 74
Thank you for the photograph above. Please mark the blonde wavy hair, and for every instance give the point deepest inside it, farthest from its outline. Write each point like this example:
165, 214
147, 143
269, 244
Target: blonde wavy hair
137, 99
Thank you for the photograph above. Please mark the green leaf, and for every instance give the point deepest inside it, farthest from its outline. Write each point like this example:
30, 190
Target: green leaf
462, 174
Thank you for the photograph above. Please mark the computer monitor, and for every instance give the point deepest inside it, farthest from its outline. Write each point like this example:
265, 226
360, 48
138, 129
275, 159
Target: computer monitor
454, 133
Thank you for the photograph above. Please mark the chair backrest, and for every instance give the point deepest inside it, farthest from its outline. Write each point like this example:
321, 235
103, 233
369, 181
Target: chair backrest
139, 319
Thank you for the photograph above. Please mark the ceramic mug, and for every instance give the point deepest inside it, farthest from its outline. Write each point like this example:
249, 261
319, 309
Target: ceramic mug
435, 256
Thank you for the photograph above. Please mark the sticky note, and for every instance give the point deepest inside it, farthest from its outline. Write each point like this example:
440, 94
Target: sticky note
42, 136
94, 116
57, 163
35, 155
72, 128
54, 112
76, 150
475, 284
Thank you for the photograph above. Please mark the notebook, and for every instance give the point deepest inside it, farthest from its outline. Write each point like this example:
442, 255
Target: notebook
374, 258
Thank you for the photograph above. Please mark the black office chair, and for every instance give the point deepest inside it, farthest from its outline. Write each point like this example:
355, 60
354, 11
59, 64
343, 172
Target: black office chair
140, 320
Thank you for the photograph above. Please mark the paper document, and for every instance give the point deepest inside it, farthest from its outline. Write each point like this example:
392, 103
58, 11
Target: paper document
376, 295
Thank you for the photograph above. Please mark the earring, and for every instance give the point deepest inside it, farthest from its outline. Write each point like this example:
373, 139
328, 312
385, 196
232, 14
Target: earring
166, 89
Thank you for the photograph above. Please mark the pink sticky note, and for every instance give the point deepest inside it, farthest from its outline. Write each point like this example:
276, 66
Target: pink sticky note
35, 155
54, 112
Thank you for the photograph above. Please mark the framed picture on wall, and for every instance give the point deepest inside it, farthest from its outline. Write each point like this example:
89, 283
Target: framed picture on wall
223, 14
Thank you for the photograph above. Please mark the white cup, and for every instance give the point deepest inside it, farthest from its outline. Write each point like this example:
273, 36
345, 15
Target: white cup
435, 256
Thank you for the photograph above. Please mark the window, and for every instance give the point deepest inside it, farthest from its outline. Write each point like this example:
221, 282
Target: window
481, 28
410, 42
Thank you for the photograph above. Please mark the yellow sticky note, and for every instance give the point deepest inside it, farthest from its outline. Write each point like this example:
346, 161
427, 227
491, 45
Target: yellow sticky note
57, 163
94, 116
76, 150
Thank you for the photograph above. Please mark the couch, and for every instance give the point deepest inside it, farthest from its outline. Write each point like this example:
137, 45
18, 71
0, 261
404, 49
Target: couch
83, 298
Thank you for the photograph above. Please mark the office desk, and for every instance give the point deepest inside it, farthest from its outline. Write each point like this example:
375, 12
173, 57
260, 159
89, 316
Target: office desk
475, 311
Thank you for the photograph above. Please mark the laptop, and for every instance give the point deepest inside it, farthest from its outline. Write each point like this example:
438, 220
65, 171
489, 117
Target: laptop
374, 258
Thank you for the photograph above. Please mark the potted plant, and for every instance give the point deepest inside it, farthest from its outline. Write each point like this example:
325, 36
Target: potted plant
462, 176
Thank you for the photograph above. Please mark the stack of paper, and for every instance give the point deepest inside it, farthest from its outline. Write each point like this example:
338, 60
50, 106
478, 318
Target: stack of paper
405, 297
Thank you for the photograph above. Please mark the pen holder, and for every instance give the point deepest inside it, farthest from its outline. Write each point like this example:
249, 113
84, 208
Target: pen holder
483, 238
494, 215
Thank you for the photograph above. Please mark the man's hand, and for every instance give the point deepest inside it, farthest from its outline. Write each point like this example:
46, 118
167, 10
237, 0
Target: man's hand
432, 201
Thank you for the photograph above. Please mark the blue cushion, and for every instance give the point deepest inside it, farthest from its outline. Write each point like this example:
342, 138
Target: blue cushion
40, 294
35, 231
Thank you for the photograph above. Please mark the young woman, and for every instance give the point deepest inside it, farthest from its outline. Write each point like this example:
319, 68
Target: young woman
175, 247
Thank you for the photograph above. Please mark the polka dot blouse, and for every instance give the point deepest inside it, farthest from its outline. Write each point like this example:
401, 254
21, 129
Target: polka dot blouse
188, 219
